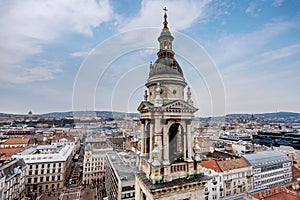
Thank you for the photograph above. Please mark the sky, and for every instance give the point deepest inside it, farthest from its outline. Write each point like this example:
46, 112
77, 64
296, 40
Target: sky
64, 55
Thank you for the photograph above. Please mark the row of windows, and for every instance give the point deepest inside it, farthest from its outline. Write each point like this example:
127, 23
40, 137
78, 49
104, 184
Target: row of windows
96, 159
45, 165
93, 169
268, 174
43, 179
271, 167
42, 171
94, 174
269, 180
237, 175
127, 195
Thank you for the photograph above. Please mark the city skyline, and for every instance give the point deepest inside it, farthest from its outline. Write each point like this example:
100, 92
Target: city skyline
255, 47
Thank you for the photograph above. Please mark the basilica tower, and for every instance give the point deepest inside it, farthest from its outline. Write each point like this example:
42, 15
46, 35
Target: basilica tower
169, 162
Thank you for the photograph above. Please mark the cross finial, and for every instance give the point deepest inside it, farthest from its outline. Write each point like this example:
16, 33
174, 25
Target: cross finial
165, 9
165, 16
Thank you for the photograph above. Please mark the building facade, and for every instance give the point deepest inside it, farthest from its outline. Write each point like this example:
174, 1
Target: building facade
169, 163
48, 167
119, 178
237, 176
271, 168
94, 160
214, 188
12, 180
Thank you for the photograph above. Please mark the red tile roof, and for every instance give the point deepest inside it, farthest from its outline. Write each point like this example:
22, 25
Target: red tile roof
211, 164
8, 152
271, 194
17, 141
226, 165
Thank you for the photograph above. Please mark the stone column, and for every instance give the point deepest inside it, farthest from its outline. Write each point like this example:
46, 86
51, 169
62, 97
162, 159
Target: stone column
166, 159
151, 143
158, 136
184, 144
189, 142
143, 144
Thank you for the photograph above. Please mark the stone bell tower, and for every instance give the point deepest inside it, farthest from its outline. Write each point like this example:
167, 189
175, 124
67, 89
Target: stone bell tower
169, 162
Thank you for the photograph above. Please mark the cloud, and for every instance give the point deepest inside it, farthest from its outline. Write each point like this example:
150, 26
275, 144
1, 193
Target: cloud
252, 10
42, 70
277, 3
79, 54
182, 14
237, 48
280, 53
28, 26
259, 67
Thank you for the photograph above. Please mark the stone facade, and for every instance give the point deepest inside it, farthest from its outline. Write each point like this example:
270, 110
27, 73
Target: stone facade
94, 160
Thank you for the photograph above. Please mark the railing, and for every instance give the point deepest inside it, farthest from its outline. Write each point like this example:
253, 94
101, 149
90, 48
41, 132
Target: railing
178, 168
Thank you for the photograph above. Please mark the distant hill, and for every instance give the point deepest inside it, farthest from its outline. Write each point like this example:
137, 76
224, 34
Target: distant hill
268, 115
106, 114
111, 114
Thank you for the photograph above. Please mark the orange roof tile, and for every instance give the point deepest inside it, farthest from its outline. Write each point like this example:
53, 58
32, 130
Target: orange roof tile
17, 141
211, 164
8, 152
226, 165
271, 194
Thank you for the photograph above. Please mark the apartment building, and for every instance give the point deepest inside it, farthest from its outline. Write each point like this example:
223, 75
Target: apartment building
94, 161
237, 174
214, 188
271, 168
229, 177
12, 180
119, 178
48, 166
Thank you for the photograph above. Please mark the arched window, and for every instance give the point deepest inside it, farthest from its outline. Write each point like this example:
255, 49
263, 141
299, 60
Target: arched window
176, 143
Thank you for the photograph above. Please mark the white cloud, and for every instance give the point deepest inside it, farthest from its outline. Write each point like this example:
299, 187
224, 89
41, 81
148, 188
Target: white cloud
27, 26
43, 70
237, 48
252, 9
280, 53
277, 3
181, 14
79, 54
